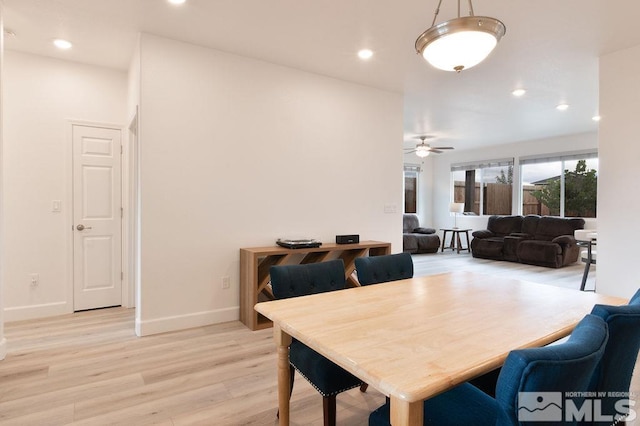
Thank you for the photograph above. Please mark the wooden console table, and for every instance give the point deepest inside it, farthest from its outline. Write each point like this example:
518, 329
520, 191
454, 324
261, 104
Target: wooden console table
255, 263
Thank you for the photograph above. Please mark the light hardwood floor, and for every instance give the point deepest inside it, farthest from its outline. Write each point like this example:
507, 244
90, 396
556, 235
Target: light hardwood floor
90, 369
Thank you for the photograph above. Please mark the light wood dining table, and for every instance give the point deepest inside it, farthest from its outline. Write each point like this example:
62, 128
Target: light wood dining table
413, 339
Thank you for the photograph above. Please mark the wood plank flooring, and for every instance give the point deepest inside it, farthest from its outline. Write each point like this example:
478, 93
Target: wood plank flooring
567, 277
89, 368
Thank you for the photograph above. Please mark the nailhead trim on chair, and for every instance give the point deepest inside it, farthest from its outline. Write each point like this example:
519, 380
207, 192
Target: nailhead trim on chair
319, 391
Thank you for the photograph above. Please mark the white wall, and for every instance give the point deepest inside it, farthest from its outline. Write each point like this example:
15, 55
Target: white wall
442, 171
618, 201
133, 83
425, 188
132, 216
235, 153
3, 340
40, 96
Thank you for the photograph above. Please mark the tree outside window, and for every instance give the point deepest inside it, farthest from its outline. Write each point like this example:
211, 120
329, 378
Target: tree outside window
560, 185
580, 191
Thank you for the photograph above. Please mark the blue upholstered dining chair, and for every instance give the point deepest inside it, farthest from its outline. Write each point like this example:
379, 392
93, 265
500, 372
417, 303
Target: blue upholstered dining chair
613, 373
556, 368
325, 376
379, 269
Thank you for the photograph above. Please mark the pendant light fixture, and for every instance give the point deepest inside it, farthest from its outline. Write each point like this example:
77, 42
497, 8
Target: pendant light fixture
460, 43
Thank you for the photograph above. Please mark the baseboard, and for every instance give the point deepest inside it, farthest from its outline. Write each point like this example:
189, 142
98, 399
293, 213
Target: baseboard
182, 322
21, 313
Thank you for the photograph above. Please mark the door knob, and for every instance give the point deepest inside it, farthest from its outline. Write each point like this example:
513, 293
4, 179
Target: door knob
81, 227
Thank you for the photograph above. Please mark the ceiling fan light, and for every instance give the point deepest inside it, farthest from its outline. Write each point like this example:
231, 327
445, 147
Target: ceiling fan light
422, 151
460, 43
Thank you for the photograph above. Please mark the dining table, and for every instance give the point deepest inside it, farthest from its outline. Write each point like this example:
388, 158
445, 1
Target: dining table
415, 338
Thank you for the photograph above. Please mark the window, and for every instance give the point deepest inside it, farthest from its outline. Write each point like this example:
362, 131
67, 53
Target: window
411, 172
485, 188
563, 185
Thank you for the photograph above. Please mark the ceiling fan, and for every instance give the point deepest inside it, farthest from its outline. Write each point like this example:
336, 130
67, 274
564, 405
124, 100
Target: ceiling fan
423, 149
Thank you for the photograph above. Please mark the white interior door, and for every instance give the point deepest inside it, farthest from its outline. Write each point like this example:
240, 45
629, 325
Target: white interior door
97, 217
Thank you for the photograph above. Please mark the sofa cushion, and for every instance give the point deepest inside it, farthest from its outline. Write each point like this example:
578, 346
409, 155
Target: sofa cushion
530, 224
487, 248
504, 225
428, 243
542, 253
550, 227
511, 243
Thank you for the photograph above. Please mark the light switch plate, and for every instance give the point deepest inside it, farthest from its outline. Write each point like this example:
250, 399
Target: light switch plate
390, 208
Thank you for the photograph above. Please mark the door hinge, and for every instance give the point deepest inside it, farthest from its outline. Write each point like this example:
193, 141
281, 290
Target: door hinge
121, 276
121, 150
121, 212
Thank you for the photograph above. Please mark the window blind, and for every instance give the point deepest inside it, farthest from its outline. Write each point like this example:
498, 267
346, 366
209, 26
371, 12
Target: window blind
564, 156
481, 164
412, 168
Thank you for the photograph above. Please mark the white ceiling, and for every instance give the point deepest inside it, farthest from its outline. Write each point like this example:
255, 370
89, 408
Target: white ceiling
551, 48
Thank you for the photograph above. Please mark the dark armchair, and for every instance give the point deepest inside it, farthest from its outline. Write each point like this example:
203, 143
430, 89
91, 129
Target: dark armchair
326, 377
416, 239
566, 367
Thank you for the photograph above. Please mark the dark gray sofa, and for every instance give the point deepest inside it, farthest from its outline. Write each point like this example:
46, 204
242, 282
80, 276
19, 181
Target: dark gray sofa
535, 240
416, 239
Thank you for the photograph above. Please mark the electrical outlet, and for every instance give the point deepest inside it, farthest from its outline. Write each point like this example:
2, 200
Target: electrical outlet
35, 279
226, 283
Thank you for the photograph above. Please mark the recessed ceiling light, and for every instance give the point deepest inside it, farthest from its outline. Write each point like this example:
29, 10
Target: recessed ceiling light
62, 44
177, 1
365, 54
596, 118
518, 92
562, 107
